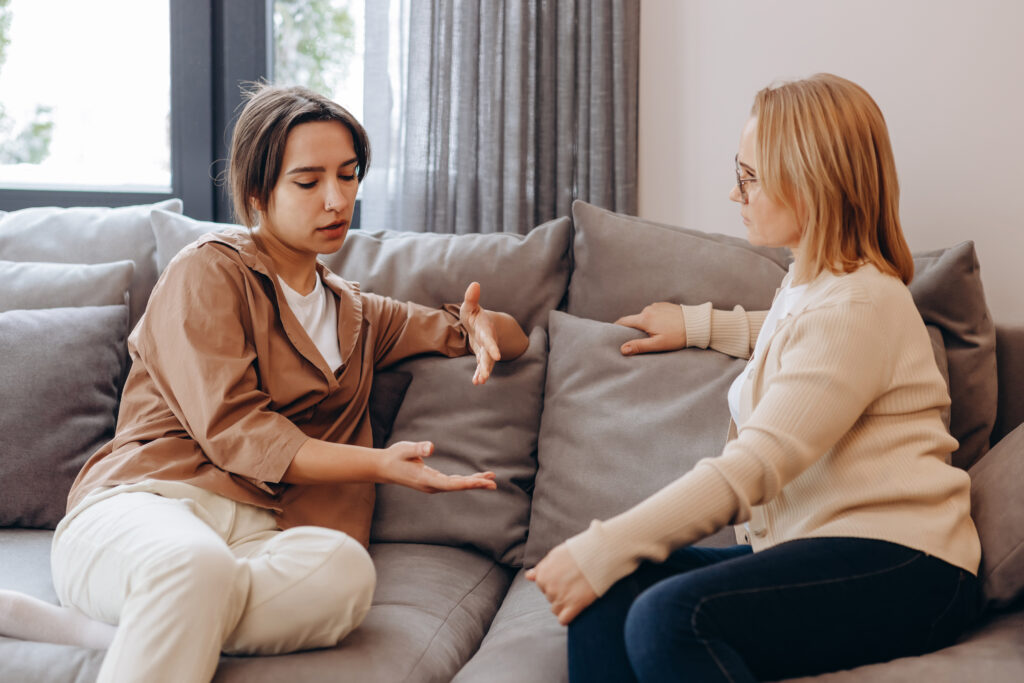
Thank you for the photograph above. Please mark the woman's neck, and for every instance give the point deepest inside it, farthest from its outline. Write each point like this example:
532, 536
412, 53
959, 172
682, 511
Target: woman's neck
297, 269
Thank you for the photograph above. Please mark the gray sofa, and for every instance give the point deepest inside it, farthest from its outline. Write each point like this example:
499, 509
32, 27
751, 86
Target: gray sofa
573, 430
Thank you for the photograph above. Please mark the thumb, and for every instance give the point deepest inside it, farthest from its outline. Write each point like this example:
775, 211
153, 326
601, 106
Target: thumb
472, 297
416, 449
658, 342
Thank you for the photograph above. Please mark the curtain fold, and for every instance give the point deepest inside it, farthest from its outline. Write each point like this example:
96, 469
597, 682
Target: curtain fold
494, 115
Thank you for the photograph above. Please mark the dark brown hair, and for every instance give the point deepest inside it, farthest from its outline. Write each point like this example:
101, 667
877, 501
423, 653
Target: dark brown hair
257, 144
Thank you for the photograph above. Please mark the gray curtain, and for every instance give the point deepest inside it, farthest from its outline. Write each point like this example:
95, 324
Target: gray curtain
494, 115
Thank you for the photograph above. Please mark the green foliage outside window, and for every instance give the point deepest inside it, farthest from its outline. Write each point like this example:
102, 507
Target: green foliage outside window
314, 41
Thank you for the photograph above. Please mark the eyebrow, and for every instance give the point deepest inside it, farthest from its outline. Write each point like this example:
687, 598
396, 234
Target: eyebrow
319, 169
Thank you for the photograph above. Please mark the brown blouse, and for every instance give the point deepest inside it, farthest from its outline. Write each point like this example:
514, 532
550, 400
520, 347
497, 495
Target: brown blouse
225, 384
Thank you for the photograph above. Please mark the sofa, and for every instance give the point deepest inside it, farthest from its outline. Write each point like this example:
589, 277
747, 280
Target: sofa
573, 430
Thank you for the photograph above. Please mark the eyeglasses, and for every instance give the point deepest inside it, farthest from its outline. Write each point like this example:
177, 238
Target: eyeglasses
741, 182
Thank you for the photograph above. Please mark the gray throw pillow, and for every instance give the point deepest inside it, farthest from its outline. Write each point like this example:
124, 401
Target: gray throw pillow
88, 235
997, 507
948, 293
473, 428
173, 232
616, 428
623, 263
60, 380
525, 276
29, 285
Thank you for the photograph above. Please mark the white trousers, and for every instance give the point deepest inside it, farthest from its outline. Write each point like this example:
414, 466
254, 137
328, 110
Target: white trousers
186, 574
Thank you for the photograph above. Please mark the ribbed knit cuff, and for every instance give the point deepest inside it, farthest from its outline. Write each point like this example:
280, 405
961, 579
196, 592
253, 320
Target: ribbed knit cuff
697, 320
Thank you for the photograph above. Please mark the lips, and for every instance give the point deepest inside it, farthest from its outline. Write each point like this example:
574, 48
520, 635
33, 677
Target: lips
333, 227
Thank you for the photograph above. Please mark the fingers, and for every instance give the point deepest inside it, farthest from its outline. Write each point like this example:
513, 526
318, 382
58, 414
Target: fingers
472, 296
484, 366
634, 321
659, 342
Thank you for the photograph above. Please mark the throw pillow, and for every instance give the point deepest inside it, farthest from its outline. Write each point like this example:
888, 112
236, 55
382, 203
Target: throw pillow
616, 428
60, 381
997, 507
948, 293
623, 263
88, 235
473, 428
31, 285
525, 276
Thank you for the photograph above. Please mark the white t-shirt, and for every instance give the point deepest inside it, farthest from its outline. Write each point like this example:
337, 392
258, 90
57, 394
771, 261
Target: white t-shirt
318, 314
786, 301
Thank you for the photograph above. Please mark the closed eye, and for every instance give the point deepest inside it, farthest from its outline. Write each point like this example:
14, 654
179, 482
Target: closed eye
306, 186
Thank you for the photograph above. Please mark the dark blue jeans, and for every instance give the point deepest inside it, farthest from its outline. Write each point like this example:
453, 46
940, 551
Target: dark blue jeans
799, 608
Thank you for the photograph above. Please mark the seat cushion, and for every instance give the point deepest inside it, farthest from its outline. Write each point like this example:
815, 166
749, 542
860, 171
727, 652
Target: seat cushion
430, 611
525, 642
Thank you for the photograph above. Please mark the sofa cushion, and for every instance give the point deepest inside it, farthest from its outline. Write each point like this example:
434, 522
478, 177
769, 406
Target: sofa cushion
616, 428
524, 643
523, 276
948, 292
623, 263
88, 235
997, 506
60, 378
30, 285
430, 611
473, 428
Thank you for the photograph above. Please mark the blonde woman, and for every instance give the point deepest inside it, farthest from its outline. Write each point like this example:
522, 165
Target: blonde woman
858, 541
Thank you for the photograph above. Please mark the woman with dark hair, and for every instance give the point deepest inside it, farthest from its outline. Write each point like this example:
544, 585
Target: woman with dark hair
231, 512
857, 545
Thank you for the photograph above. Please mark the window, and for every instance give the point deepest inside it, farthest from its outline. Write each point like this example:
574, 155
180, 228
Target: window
93, 114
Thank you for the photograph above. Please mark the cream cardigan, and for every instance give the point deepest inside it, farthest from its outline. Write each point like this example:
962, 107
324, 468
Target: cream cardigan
842, 436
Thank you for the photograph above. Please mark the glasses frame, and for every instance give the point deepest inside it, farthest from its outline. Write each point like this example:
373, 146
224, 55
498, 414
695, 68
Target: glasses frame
741, 182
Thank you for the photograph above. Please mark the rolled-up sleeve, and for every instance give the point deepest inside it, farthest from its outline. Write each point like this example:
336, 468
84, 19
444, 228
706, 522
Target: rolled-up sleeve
196, 341
401, 330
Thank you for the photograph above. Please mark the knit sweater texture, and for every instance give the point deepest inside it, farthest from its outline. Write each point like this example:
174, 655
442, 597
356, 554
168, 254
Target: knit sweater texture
840, 435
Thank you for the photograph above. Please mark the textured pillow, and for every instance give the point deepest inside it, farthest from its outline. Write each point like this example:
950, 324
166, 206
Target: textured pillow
997, 506
623, 263
616, 428
473, 428
948, 293
525, 276
172, 232
88, 235
60, 380
30, 285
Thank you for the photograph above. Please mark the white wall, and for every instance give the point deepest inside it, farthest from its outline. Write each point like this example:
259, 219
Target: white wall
948, 75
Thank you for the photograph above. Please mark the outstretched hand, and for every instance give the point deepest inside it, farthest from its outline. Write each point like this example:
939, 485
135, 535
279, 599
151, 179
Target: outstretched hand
663, 322
483, 336
402, 463
560, 580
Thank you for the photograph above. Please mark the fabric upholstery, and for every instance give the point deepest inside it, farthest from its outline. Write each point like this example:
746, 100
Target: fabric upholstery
622, 263
523, 276
473, 428
430, 611
88, 235
28, 285
60, 380
997, 506
616, 428
524, 643
386, 396
948, 292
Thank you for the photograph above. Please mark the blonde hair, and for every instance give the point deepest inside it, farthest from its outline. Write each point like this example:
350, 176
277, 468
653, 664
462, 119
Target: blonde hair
823, 150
